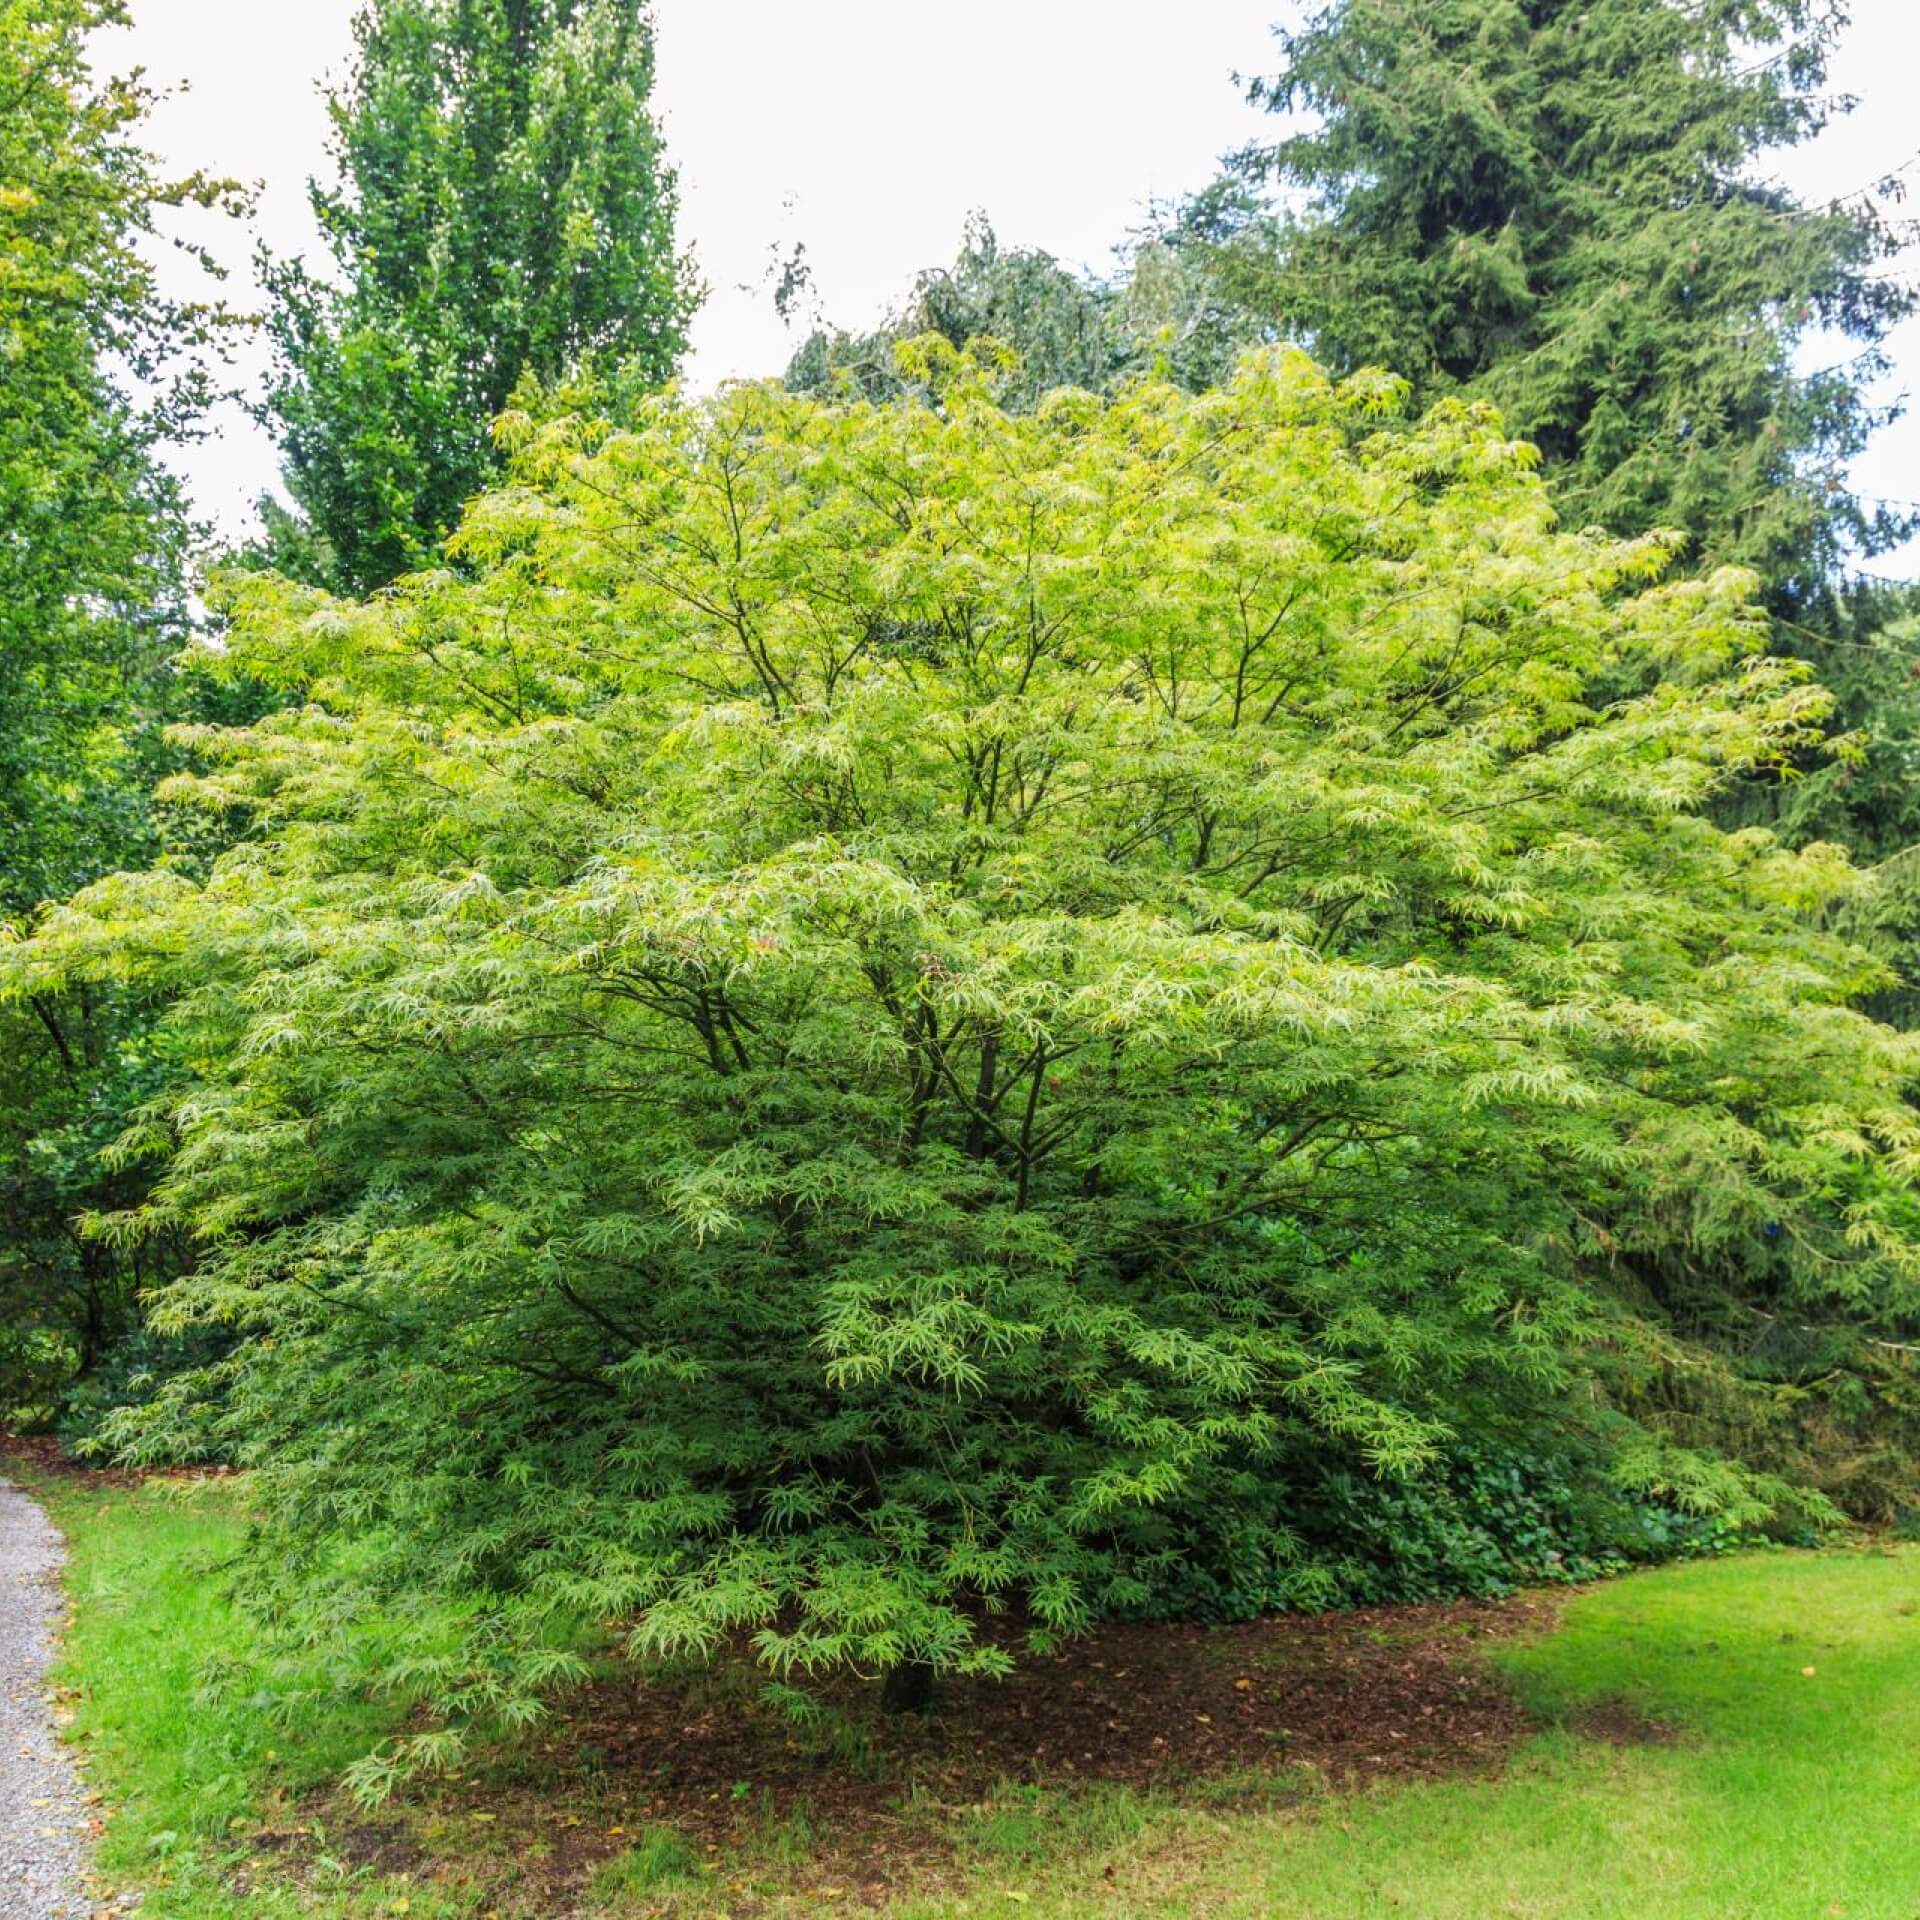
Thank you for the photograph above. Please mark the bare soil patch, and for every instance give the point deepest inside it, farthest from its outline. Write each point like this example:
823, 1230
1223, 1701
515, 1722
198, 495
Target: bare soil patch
1619, 1725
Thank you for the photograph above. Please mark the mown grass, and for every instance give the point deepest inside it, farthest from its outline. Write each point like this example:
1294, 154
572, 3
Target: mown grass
1777, 1793
1784, 1794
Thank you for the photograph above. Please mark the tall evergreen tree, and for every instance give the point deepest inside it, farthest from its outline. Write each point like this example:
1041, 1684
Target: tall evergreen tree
502, 207
1564, 206
1558, 204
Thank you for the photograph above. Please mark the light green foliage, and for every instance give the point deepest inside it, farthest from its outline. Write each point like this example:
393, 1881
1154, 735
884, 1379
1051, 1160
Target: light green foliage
872, 1000
503, 208
1569, 209
92, 606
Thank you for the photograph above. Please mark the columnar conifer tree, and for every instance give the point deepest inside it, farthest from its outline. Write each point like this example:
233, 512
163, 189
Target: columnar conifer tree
502, 208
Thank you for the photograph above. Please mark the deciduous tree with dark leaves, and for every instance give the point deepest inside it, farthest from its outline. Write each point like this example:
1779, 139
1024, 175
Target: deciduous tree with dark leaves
93, 606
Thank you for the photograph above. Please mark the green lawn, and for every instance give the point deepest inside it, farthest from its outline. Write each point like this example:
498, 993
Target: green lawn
1788, 1795
1783, 1795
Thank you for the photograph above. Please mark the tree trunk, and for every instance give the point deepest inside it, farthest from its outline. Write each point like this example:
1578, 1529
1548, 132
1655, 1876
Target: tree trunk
908, 1688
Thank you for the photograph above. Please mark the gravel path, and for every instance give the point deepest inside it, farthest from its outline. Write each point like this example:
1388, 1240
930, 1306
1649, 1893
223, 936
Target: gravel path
42, 1821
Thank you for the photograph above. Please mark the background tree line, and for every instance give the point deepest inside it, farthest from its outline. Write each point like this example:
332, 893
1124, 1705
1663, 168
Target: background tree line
1558, 212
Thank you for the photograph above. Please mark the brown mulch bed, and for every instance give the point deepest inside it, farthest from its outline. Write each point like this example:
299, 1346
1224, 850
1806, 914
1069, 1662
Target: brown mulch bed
1379, 1691
1257, 1713
42, 1453
1254, 1712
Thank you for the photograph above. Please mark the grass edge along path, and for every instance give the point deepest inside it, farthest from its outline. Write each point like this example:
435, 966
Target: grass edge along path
1728, 1740
184, 1772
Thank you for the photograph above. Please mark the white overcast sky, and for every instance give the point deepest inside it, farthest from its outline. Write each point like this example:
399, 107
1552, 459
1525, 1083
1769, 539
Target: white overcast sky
869, 130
